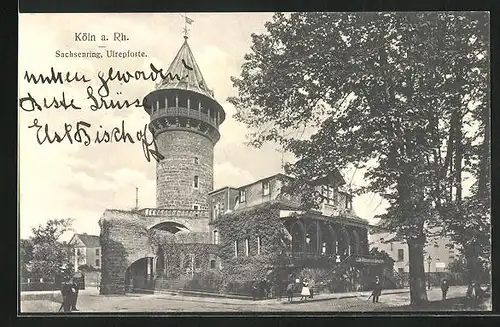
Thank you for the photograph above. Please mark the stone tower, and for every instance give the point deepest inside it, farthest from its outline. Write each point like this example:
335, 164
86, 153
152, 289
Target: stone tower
185, 120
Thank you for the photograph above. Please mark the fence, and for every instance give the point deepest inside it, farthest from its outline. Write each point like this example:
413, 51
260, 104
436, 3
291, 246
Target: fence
39, 284
47, 284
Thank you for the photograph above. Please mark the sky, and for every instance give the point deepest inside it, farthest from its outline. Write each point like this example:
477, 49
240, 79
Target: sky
63, 180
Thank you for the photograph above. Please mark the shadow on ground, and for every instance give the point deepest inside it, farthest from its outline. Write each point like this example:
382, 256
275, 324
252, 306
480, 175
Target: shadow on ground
454, 304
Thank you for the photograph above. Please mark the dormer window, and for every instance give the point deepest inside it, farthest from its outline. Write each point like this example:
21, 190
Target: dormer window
196, 160
265, 188
196, 181
243, 196
328, 193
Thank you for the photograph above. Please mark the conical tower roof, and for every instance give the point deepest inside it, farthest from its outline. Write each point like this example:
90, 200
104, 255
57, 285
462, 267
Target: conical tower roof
184, 74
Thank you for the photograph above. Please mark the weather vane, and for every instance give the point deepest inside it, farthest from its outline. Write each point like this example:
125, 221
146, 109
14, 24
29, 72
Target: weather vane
187, 21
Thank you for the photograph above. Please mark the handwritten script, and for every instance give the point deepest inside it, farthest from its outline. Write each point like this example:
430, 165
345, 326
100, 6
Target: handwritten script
83, 132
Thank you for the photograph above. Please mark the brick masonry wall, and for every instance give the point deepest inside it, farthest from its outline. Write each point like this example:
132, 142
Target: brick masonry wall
175, 173
125, 239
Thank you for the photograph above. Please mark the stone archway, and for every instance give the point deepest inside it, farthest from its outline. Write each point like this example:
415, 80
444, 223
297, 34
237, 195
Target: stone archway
139, 276
170, 226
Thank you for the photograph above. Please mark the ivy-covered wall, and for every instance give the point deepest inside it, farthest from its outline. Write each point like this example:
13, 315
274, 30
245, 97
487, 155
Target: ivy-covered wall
126, 238
262, 223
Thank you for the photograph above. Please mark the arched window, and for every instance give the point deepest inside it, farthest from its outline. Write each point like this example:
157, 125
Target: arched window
312, 238
297, 237
355, 243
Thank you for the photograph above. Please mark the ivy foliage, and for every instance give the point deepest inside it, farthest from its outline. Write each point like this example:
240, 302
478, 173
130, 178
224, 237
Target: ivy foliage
261, 222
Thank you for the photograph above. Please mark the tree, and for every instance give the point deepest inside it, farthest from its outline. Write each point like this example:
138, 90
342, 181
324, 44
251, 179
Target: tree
25, 256
378, 91
51, 258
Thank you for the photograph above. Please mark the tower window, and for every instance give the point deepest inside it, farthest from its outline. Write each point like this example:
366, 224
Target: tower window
265, 188
196, 181
212, 264
401, 255
196, 160
216, 237
243, 196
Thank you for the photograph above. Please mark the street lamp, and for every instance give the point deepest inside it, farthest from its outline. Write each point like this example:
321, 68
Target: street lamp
429, 272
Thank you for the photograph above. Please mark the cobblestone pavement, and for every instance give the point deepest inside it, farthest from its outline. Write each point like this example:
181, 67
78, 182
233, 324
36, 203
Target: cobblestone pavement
89, 301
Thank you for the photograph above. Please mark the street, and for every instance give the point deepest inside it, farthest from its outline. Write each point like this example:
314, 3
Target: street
89, 301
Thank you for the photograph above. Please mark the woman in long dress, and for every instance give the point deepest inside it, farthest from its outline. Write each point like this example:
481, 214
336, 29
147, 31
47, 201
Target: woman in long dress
305, 290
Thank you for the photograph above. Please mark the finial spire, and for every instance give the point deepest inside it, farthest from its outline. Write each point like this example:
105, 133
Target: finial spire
187, 21
136, 198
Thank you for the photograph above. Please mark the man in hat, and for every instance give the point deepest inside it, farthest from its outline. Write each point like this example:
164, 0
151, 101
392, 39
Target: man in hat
74, 294
289, 290
66, 296
444, 288
377, 289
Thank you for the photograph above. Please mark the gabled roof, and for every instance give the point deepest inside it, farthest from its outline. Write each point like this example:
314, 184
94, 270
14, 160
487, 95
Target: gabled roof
90, 241
189, 74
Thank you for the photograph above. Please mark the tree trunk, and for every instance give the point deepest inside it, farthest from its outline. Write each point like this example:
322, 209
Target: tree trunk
418, 293
458, 164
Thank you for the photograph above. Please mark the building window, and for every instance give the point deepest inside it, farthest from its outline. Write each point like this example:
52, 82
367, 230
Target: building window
247, 247
97, 252
196, 207
401, 255
196, 160
401, 270
392, 246
235, 249
259, 244
265, 188
97, 263
216, 237
196, 181
348, 202
243, 197
212, 264
78, 251
328, 194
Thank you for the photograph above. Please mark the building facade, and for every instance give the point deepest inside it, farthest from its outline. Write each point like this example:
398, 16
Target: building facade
86, 250
324, 244
157, 248
143, 248
439, 252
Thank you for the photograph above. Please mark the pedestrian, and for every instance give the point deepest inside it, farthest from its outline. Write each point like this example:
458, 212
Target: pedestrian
289, 290
66, 296
74, 294
377, 290
474, 294
444, 288
254, 289
311, 287
305, 290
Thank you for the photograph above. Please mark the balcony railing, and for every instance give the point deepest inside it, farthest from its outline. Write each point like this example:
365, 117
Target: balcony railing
155, 212
185, 112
